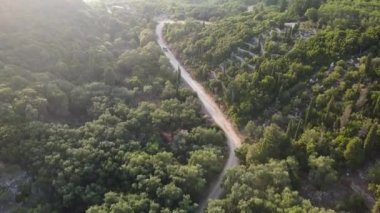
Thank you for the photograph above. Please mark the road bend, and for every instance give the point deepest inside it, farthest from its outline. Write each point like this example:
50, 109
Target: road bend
233, 138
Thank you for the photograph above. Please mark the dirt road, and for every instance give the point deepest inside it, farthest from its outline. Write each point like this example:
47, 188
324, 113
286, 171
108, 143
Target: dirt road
233, 138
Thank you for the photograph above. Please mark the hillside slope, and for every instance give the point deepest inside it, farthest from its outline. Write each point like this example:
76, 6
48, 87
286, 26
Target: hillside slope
301, 78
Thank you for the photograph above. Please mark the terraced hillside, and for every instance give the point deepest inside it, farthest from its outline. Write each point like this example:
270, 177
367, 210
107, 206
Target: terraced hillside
301, 79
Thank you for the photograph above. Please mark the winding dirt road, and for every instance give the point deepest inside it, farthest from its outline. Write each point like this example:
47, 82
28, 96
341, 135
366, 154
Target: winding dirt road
233, 138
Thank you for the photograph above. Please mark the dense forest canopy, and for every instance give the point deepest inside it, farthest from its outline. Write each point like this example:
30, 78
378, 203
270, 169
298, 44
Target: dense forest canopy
92, 112
94, 119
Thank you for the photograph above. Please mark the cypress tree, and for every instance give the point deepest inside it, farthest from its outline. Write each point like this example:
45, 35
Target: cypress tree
178, 80
369, 141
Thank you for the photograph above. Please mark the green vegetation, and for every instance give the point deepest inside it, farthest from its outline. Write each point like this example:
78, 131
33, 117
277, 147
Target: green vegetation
95, 120
374, 184
206, 10
262, 188
308, 71
92, 111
